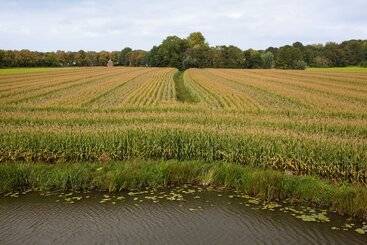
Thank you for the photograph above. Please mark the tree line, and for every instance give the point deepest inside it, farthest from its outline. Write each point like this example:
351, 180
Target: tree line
194, 51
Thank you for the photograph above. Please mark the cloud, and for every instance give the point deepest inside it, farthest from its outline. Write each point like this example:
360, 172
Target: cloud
113, 24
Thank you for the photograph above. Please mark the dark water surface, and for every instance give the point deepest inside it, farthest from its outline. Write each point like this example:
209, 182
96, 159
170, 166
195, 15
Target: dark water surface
177, 216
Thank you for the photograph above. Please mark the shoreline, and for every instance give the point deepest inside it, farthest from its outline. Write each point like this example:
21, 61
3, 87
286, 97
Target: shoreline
268, 185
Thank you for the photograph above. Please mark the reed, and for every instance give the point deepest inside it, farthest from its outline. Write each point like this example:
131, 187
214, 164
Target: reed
269, 185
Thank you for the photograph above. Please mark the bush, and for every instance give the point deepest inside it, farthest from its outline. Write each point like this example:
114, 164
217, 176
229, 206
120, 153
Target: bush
299, 65
267, 60
363, 63
320, 61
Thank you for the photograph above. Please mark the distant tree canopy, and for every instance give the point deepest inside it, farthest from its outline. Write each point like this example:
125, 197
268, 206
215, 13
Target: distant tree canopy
194, 51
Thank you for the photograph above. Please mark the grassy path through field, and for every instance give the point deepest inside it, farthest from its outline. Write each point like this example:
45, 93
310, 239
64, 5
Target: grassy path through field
183, 93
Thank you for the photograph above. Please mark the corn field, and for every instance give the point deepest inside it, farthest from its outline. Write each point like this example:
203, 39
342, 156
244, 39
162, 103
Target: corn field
311, 122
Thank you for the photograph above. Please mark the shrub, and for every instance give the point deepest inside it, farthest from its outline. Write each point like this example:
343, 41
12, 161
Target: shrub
299, 65
320, 61
363, 63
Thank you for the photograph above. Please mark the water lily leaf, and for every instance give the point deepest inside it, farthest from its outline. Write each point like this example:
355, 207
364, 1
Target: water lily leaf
360, 231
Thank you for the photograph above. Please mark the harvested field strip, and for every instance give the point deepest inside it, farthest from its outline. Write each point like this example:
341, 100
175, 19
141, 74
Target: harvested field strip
10, 78
39, 97
263, 96
217, 91
149, 91
310, 86
204, 95
12, 84
19, 71
282, 93
349, 77
48, 82
129, 93
111, 90
320, 80
292, 93
49, 88
77, 97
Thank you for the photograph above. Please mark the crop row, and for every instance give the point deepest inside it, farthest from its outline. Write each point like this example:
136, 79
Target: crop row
337, 161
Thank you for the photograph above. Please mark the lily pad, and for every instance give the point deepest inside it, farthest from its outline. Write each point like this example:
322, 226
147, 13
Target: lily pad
360, 231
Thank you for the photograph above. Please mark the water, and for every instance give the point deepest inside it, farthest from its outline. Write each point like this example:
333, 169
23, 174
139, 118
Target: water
177, 216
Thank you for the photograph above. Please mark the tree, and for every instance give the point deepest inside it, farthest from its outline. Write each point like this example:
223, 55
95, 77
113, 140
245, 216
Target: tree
253, 59
267, 60
335, 54
170, 53
194, 51
115, 57
320, 61
2, 58
353, 51
137, 58
80, 58
227, 57
102, 58
299, 65
288, 57
196, 39
197, 56
50, 59
153, 57
298, 45
124, 56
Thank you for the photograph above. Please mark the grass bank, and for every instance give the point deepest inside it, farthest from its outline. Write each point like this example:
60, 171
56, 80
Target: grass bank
183, 93
116, 176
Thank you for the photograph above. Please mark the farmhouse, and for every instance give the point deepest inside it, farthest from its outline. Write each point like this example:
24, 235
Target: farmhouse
110, 63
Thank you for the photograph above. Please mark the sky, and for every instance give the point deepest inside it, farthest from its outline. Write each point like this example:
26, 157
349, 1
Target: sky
47, 25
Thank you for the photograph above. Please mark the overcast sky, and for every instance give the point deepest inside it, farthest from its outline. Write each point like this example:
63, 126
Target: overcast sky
47, 25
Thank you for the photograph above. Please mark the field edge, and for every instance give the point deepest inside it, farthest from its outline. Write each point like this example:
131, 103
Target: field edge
268, 185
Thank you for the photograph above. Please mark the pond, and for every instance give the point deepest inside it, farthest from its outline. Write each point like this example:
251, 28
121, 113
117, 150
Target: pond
180, 215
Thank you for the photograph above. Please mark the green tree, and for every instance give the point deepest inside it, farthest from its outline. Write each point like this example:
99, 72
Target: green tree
197, 56
137, 58
288, 57
123, 58
227, 57
253, 59
267, 60
320, 61
196, 39
102, 58
170, 53
335, 54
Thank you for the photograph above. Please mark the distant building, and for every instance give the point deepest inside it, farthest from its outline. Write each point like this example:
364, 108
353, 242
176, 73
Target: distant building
110, 63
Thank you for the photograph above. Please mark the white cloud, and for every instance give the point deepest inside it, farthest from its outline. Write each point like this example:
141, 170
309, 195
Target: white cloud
113, 24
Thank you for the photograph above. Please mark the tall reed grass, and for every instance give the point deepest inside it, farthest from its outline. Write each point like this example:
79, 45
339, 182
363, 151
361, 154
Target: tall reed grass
268, 185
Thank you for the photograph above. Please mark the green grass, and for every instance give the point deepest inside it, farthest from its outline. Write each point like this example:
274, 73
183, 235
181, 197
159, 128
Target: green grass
183, 93
341, 69
117, 176
25, 70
